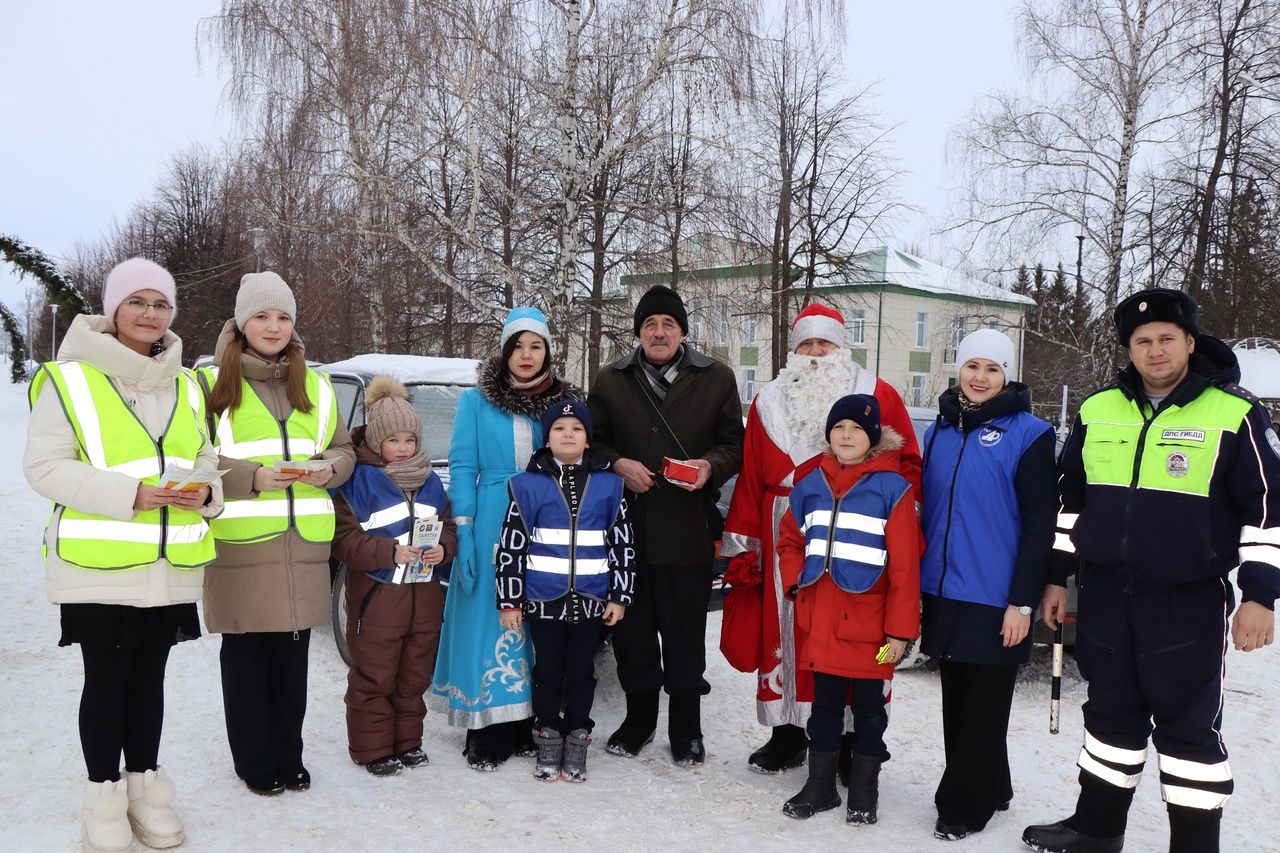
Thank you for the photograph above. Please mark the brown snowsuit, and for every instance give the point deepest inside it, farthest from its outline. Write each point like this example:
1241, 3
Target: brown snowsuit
393, 631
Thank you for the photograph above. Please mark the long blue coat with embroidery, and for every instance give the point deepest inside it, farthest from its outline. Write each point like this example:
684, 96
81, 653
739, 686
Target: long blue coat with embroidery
482, 673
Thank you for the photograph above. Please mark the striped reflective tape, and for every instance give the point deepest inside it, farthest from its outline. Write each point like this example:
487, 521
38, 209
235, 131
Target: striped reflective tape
128, 531
560, 565
847, 551
275, 508
846, 521
560, 536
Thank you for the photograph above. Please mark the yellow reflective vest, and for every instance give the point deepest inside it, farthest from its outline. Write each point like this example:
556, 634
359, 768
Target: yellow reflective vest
111, 438
253, 433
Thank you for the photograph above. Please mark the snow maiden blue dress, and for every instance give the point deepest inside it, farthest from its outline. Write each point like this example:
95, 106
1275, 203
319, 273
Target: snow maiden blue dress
483, 672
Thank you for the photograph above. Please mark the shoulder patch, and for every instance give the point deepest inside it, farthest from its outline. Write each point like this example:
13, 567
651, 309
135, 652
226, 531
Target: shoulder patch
1273, 440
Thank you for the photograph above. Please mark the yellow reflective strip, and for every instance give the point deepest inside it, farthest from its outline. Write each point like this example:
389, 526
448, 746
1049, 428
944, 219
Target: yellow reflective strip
86, 413
108, 530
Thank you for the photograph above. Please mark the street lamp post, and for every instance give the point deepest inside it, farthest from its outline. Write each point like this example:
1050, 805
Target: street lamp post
53, 333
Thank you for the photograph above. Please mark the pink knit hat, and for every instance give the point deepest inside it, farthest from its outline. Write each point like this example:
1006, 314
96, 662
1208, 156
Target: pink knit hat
128, 277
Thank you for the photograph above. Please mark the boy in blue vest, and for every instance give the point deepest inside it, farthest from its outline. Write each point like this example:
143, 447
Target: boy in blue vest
565, 563
849, 552
393, 615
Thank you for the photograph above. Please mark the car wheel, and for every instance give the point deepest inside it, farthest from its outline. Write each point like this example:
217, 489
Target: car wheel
338, 613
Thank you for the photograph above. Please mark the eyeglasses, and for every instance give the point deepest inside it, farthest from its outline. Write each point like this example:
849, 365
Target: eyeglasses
140, 306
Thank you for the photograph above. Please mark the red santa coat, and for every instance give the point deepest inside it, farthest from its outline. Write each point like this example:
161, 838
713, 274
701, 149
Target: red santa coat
774, 459
840, 632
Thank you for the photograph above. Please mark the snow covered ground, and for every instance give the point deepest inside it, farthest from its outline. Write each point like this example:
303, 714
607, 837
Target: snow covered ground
644, 804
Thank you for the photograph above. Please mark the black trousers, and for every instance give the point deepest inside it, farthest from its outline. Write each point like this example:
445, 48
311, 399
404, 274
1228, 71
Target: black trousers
264, 696
976, 699
121, 708
564, 673
865, 698
661, 643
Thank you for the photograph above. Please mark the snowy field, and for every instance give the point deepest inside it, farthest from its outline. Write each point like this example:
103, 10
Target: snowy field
642, 804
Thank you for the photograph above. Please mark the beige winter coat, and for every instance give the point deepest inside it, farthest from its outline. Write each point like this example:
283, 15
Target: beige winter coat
281, 584
54, 469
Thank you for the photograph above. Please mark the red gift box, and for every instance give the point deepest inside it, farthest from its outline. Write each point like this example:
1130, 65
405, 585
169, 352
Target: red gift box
679, 472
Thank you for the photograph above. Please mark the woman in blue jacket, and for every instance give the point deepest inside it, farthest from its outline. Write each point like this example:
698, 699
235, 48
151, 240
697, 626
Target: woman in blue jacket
482, 676
990, 505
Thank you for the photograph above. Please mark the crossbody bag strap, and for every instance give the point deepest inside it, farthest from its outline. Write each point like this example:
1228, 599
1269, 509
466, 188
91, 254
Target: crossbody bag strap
656, 416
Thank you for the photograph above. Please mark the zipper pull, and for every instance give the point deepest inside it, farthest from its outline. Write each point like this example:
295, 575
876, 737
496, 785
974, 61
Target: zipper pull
295, 633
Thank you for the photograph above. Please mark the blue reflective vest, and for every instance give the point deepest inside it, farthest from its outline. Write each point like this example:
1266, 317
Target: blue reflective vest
382, 510
566, 554
846, 537
971, 517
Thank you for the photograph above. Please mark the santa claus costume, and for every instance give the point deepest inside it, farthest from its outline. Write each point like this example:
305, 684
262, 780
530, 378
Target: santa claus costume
783, 442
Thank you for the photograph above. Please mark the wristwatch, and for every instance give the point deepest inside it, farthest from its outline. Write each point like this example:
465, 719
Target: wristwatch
1024, 610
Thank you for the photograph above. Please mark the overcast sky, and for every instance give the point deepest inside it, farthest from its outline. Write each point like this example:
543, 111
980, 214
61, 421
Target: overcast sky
97, 96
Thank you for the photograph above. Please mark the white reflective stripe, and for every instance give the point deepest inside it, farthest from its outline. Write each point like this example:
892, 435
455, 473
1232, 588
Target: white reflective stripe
275, 508
312, 506
424, 510
302, 448
560, 565
846, 521
403, 538
247, 449
1062, 542
1115, 754
384, 517
1260, 536
193, 396
1195, 771
1193, 797
1067, 520
325, 405
1089, 764
1260, 554
139, 468
560, 536
111, 531
185, 534
847, 551
86, 413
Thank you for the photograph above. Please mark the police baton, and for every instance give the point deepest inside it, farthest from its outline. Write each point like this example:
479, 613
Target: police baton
1055, 690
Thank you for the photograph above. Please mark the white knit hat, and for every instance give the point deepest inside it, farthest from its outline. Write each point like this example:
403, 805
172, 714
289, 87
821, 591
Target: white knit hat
989, 344
262, 291
128, 277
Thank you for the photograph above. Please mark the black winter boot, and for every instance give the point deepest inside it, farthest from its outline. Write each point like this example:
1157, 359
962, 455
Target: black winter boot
637, 727
785, 749
819, 792
845, 762
522, 743
1102, 813
864, 789
1193, 830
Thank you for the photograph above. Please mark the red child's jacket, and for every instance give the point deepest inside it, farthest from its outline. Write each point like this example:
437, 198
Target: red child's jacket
843, 631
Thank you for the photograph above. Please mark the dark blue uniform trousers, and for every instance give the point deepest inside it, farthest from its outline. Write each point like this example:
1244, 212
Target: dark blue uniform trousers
1154, 659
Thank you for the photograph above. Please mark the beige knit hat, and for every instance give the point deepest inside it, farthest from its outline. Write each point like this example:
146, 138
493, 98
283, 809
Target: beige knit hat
388, 411
261, 291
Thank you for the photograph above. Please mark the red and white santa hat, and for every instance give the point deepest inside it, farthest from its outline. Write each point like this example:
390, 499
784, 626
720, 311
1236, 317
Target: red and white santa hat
818, 321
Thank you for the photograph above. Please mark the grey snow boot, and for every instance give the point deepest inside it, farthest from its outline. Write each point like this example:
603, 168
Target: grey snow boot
574, 768
550, 745
819, 791
864, 789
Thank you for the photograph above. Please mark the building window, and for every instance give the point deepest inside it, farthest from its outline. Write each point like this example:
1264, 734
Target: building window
959, 328
855, 325
747, 325
748, 384
922, 329
917, 389
720, 324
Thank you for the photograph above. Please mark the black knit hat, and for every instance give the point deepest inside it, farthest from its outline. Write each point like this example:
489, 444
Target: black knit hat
566, 409
661, 299
862, 409
1156, 305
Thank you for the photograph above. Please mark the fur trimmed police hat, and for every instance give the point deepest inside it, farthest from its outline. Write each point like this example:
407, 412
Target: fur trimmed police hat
1156, 305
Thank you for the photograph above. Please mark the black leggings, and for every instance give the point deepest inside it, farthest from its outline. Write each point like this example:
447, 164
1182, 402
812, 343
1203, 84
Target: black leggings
121, 708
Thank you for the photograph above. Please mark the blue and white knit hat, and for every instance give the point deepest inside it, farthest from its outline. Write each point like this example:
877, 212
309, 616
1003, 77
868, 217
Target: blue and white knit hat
525, 319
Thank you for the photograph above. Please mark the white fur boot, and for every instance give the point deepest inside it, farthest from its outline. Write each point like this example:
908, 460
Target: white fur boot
153, 821
106, 828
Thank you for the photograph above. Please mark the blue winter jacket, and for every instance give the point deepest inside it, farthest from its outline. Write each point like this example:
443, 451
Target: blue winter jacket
382, 509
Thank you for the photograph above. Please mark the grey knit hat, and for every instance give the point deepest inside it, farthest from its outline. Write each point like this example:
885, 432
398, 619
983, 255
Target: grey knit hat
388, 412
261, 291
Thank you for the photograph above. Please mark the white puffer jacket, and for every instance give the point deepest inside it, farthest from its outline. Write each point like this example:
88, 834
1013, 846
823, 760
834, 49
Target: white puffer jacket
54, 470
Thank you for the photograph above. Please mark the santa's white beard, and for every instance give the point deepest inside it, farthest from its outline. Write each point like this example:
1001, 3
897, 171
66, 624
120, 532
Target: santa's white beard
810, 386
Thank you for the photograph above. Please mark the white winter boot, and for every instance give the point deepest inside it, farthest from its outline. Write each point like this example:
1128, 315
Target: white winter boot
150, 794
106, 827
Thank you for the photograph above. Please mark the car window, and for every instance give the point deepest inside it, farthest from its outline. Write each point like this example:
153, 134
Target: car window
349, 396
436, 405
